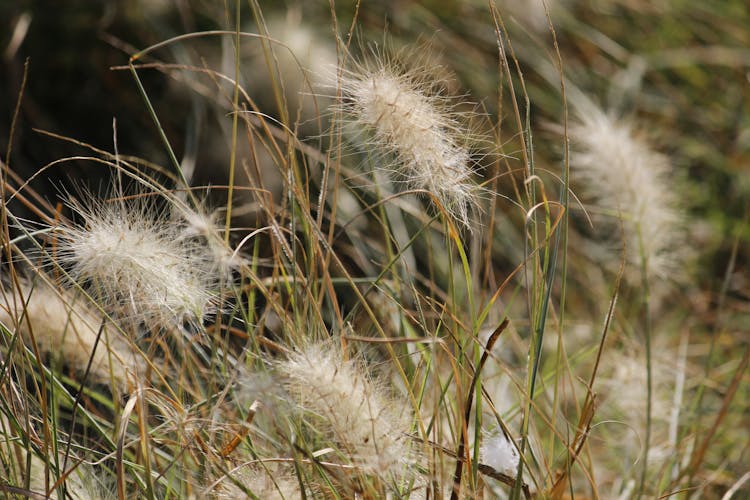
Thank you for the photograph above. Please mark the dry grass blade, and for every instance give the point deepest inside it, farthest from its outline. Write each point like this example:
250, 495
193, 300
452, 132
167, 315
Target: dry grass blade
122, 435
461, 452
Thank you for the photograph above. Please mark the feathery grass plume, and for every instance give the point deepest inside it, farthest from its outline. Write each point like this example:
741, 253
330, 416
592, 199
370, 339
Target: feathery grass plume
402, 118
66, 327
136, 262
368, 428
625, 176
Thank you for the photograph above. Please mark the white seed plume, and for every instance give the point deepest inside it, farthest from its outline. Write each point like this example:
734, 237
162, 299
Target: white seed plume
366, 427
402, 121
136, 264
622, 174
499, 453
68, 328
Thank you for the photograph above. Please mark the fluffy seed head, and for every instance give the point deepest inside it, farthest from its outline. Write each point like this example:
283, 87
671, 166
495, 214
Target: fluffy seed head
136, 264
402, 121
65, 327
624, 175
366, 427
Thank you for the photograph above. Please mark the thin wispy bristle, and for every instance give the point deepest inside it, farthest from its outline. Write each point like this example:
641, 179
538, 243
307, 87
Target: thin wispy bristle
219, 257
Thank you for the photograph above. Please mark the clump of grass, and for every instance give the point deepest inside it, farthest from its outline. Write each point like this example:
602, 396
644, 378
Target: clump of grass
21, 467
271, 393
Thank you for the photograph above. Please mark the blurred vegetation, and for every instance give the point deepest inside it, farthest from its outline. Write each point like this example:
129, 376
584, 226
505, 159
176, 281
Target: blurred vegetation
679, 66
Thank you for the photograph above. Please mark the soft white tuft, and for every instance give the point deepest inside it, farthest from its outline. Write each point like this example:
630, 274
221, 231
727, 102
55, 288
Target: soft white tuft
203, 227
624, 176
137, 265
499, 453
402, 120
367, 427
